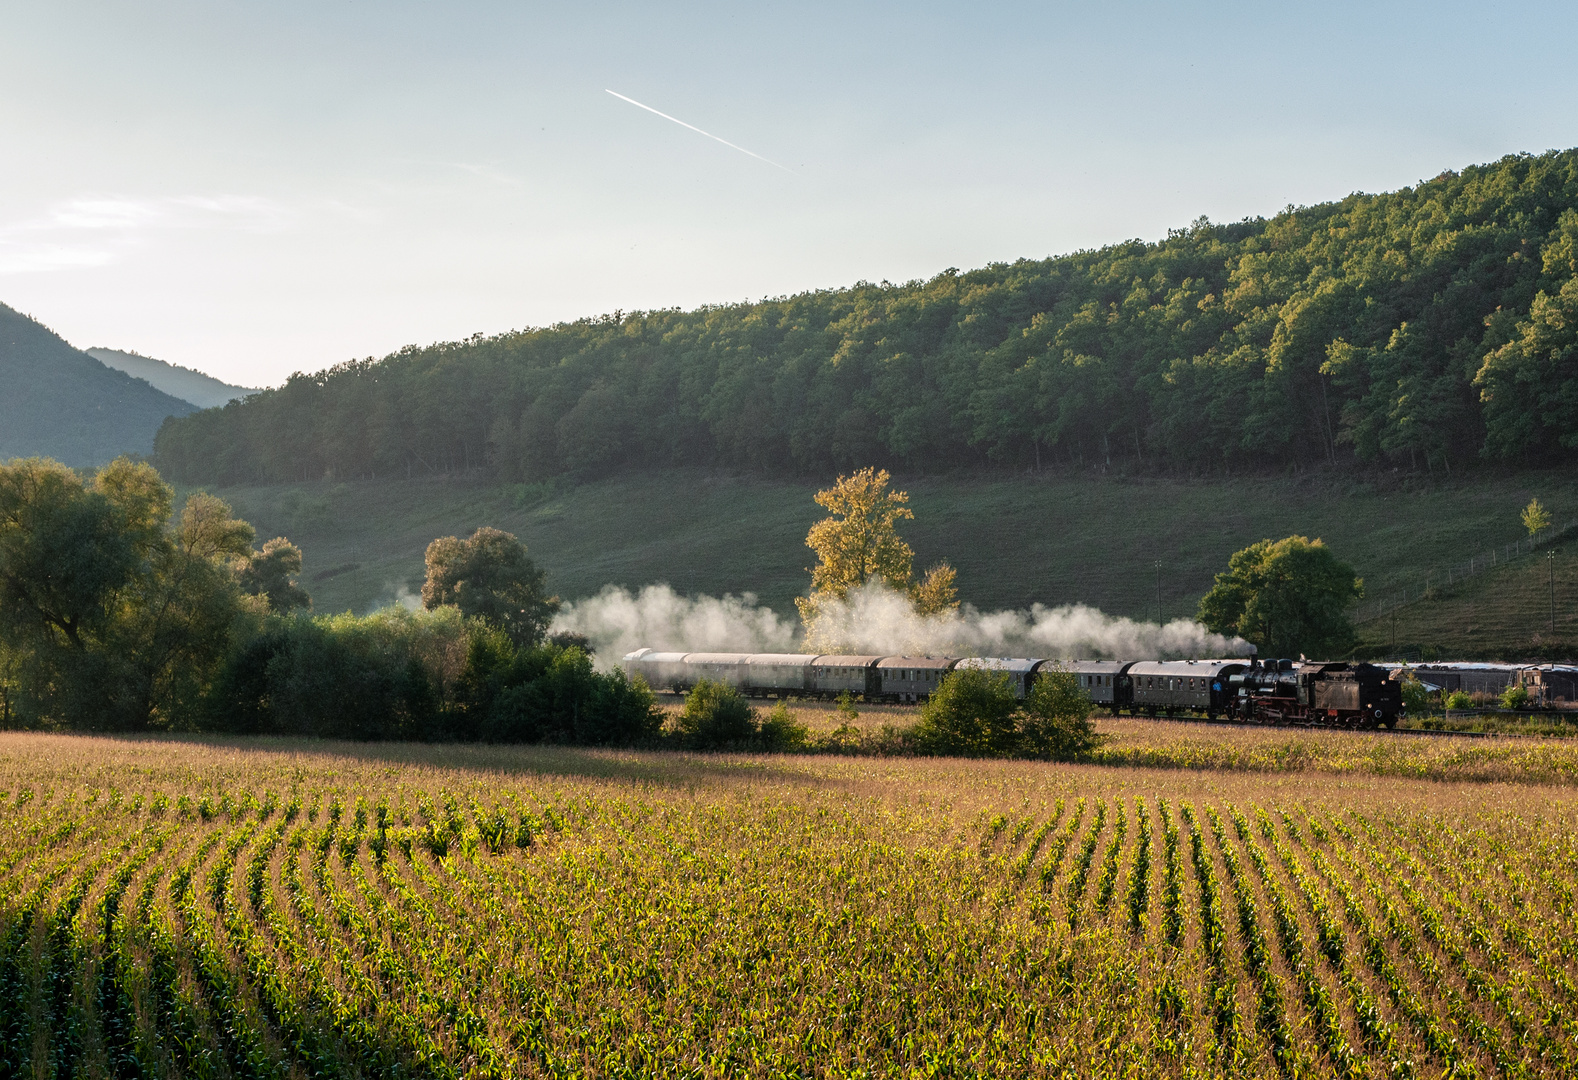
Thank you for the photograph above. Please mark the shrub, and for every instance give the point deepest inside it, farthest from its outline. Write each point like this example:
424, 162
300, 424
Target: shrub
1457, 699
549, 693
1056, 724
1515, 697
426, 675
379, 676
847, 708
780, 731
973, 713
1416, 699
717, 717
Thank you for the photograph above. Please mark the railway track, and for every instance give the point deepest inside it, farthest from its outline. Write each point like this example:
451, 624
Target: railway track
1425, 732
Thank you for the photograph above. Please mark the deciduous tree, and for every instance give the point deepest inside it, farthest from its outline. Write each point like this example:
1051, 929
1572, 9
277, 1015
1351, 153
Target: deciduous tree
114, 616
972, 713
1287, 597
1535, 517
269, 572
860, 541
1528, 387
490, 576
1056, 724
935, 593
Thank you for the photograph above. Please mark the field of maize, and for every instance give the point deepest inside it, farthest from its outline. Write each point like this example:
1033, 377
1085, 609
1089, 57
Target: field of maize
227, 910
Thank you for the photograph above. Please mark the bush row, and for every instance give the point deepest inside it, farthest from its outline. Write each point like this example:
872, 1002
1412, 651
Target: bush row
425, 676
974, 713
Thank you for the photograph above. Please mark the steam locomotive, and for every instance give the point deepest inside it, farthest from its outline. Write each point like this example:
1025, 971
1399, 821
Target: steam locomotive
1251, 691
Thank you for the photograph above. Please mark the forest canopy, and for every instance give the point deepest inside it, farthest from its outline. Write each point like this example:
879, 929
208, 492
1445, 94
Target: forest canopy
1428, 327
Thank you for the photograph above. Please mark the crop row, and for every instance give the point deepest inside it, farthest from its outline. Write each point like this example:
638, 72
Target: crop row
394, 935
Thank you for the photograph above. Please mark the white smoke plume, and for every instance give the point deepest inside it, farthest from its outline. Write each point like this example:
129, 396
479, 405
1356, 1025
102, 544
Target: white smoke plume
396, 594
875, 619
618, 622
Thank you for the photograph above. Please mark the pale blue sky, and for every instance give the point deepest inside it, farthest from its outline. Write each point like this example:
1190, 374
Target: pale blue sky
252, 189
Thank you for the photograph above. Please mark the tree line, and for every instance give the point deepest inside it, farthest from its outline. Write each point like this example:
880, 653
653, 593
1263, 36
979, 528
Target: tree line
118, 613
1428, 327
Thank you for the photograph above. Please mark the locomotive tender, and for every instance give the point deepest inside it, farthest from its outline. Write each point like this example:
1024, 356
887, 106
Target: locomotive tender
1251, 691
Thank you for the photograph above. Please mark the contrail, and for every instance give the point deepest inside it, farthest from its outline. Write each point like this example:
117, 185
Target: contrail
698, 131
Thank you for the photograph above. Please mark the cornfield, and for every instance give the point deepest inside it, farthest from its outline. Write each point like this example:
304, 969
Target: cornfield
279, 910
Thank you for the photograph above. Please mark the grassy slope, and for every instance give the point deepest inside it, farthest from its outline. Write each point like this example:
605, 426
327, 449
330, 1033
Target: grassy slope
1505, 613
1015, 540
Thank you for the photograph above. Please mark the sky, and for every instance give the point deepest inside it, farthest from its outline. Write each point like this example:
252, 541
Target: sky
256, 189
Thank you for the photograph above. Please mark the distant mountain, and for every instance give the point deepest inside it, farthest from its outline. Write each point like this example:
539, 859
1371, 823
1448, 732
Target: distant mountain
201, 390
57, 401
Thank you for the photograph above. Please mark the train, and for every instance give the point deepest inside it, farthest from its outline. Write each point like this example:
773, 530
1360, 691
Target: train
1273, 692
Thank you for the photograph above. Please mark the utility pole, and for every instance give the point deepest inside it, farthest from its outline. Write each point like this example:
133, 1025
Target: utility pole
1550, 558
1159, 592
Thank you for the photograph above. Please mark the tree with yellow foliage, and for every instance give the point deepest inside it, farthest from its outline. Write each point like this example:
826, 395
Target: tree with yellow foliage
1535, 517
859, 542
935, 593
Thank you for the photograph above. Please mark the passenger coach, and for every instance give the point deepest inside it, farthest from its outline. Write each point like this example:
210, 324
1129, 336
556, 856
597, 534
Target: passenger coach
777, 674
910, 678
835, 675
1022, 673
1106, 682
1173, 686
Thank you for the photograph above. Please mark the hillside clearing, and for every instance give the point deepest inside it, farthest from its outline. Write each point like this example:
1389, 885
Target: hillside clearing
1015, 539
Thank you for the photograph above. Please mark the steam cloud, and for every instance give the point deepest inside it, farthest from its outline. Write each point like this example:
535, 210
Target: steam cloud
397, 594
617, 622
875, 619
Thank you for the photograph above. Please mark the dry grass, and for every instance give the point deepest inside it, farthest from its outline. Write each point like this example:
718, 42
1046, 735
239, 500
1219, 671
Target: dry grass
291, 908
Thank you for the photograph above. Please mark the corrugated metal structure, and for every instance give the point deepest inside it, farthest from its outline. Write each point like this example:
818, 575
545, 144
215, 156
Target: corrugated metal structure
1551, 685
1471, 678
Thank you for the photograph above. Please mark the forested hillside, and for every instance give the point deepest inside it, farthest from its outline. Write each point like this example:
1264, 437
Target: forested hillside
1428, 327
57, 401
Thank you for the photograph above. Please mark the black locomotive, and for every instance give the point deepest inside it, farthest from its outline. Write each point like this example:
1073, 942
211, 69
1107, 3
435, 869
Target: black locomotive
1317, 694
